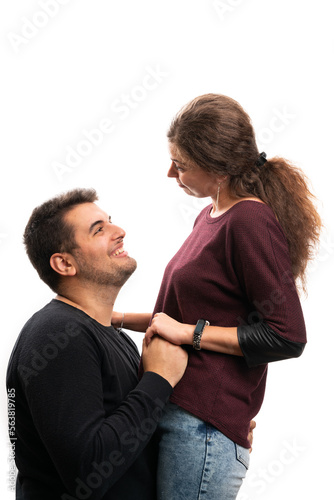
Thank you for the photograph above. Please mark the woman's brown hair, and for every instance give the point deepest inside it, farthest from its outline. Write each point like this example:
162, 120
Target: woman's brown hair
215, 133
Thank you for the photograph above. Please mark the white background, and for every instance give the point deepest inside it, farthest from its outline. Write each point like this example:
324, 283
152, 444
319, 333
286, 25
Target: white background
66, 69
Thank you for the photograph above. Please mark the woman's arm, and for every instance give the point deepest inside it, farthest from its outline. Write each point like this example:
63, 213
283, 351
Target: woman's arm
257, 343
138, 322
214, 338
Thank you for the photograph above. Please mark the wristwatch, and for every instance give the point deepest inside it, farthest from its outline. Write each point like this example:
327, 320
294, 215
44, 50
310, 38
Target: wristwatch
198, 332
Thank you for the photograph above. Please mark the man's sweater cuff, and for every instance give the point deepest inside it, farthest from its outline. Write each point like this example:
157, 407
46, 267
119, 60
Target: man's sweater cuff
155, 386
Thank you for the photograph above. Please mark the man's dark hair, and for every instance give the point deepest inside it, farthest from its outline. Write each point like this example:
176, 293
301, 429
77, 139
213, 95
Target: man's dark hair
47, 232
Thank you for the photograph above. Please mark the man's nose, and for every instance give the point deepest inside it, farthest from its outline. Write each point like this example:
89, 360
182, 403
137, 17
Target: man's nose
117, 232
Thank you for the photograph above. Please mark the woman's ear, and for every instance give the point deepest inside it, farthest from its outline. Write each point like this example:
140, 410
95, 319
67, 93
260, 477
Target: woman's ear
63, 264
220, 179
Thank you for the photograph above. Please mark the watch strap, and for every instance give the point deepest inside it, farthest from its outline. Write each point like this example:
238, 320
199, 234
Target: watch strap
198, 332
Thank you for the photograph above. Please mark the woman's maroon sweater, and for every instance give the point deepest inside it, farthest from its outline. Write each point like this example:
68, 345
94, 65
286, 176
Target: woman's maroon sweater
234, 271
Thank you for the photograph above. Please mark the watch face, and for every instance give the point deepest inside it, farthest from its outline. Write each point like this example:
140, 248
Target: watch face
200, 325
198, 334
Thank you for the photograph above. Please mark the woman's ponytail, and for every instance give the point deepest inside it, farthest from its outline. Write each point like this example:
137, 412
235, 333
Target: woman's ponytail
286, 191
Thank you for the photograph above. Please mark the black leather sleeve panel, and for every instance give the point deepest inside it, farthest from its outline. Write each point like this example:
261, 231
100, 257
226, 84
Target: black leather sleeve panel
260, 344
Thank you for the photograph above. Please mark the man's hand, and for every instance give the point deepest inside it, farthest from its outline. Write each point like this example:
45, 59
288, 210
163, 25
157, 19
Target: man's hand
252, 426
167, 360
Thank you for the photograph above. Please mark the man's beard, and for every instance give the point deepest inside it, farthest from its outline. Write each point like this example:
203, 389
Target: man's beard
116, 276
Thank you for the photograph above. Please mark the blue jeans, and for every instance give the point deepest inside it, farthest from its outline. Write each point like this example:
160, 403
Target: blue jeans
196, 461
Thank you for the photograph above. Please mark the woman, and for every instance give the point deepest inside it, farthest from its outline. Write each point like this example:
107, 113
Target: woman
229, 295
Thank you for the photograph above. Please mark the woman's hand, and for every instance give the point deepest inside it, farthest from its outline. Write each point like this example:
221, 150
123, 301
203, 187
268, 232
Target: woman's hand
170, 329
137, 322
116, 319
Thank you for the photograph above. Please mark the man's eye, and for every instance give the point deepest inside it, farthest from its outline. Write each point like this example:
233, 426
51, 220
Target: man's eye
99, 230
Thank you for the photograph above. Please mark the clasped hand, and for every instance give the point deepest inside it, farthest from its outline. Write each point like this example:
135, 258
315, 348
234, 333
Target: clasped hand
168, 328
179, 334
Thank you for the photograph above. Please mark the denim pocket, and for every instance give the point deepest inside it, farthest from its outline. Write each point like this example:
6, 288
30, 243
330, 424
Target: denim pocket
242, 455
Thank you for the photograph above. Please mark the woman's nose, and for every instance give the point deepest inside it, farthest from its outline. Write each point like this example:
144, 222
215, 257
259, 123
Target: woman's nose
172, 172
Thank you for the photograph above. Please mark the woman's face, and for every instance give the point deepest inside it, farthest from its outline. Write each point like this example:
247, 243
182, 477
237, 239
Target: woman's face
191, 178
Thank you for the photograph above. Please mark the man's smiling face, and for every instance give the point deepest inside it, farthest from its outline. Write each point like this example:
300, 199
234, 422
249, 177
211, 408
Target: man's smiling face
100, 256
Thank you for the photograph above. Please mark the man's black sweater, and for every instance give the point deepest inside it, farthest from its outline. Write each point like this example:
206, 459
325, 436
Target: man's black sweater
84, 422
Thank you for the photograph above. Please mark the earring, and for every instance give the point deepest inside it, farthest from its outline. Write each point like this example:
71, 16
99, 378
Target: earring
218, 196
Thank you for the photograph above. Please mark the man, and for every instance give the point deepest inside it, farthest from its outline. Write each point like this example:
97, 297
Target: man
84, 422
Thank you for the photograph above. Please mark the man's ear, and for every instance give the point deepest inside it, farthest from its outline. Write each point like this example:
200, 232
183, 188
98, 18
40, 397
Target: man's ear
63, 264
